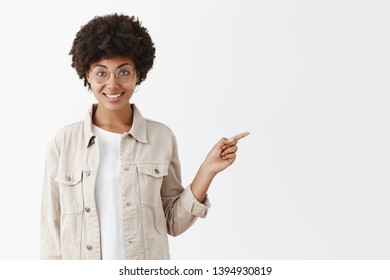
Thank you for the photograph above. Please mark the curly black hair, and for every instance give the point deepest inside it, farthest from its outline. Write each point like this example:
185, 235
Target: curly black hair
111, 36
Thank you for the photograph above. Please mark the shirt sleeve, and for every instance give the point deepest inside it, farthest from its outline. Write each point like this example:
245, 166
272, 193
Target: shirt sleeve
192, 205
50, 207
181, 208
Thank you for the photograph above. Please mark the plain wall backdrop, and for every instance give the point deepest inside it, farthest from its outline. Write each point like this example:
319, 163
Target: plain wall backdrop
308, 79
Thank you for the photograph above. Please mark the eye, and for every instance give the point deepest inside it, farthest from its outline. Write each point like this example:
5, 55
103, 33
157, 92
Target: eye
124, 72
101, 74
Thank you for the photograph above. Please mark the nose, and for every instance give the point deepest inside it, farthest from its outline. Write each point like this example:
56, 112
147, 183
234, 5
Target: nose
112, 81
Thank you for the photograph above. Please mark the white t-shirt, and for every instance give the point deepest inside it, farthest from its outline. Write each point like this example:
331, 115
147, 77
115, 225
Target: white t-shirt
108, 195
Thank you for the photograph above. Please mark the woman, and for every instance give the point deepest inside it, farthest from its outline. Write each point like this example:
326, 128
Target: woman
112, 186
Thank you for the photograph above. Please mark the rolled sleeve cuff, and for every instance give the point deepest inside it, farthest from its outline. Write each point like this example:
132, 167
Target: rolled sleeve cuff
192, 205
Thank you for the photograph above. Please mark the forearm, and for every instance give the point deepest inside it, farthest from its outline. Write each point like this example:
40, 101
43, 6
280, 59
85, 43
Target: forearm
201, 182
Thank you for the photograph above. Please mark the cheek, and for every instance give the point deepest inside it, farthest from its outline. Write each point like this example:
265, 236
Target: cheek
96, 88
128, 87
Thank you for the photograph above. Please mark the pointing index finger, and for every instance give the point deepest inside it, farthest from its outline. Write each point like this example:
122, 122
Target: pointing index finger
239, 136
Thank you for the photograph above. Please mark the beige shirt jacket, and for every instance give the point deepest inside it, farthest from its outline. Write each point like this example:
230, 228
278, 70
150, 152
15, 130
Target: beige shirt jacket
154, 202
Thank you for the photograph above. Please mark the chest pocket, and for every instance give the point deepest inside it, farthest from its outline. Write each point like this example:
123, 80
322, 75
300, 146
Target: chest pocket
70, 188
151, 178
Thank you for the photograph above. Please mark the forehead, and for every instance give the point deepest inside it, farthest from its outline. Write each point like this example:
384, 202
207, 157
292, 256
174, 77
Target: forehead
113, 62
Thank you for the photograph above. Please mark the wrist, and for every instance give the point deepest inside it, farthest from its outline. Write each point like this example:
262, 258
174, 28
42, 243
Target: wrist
208, 170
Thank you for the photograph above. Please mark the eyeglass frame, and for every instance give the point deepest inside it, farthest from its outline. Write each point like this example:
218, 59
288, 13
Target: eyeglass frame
115, 73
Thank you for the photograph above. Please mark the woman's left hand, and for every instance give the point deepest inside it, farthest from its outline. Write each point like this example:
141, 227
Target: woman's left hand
223, 154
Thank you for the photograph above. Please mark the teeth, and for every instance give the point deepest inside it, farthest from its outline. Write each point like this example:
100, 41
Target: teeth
113, 96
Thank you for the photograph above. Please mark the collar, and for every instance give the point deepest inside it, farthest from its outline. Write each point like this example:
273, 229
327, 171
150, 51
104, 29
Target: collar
138, 129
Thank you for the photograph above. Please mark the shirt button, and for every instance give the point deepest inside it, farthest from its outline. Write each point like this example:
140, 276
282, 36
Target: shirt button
156, 171
68, 178
93, 141
87, 209
89, 247
87, 173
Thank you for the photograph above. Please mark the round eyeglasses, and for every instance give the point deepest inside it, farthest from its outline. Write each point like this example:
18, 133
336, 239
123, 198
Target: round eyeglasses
101, 75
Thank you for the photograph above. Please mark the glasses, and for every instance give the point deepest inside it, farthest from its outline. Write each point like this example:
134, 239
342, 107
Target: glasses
122, 75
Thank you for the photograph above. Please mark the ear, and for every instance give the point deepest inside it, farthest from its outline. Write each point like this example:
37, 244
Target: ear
87, 76
86, 82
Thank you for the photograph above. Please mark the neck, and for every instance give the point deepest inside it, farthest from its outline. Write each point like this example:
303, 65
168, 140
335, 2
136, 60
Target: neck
116, 121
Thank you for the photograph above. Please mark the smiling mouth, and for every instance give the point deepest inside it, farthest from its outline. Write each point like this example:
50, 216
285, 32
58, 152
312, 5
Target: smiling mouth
113, 96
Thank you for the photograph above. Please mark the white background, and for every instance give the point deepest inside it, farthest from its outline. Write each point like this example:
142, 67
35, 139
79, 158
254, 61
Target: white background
308, 79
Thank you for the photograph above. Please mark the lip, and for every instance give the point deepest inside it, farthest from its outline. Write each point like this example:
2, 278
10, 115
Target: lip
110, 99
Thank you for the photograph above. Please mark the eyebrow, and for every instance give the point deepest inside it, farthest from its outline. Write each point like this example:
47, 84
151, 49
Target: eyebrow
101, 65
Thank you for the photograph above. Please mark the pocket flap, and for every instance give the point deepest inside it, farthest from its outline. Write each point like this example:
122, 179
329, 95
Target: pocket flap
156, 170
68, 177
